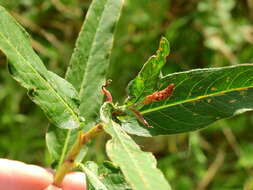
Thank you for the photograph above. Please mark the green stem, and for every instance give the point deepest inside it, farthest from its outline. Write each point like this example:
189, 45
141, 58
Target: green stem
69, 162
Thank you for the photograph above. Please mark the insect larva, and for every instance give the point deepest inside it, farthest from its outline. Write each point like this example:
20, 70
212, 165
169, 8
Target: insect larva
159, 95
106, 92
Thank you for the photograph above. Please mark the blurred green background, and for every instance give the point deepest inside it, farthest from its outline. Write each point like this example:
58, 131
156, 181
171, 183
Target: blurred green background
202, 33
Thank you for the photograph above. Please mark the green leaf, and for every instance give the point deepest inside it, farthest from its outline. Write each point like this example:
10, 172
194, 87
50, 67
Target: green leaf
92, 176
87, 70
105, 177
138, 167
146, 81
59, 142
112, 176
200, 97
90, 60
57, 98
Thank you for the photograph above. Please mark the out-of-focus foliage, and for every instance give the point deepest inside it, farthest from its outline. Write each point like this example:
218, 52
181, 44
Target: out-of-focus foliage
202, 33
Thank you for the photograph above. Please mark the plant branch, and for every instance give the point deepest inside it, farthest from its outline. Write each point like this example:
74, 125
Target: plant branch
69, 162
212, 170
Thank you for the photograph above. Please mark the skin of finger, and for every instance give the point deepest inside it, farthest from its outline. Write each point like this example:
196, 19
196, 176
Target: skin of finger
15, 175
51, 187
74, 181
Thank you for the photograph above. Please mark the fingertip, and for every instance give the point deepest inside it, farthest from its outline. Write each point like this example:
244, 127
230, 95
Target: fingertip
74, 181
51, 187
18, 175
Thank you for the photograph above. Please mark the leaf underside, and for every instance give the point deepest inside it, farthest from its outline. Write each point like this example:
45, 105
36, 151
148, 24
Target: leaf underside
200, 97
57, 98
87, 70
139, 168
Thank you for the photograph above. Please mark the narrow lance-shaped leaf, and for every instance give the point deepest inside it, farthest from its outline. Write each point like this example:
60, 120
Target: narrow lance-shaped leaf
146, 80
87, 69
138, 167
54, 95
200, 97
90, 59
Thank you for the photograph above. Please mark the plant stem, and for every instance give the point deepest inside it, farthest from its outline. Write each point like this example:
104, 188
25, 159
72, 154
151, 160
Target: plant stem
69, 162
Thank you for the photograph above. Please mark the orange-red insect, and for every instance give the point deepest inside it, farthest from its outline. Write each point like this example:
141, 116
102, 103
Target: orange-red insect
106, 92
159, 95
154, 97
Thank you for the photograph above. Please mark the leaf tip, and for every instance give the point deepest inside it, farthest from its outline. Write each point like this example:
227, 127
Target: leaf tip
164, 47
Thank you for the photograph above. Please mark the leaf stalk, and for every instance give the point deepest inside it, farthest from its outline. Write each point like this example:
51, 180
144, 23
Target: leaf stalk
69, 162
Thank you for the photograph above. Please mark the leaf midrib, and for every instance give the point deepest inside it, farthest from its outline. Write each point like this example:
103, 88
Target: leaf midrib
91, 49
64, 149
40, 77
192, 100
